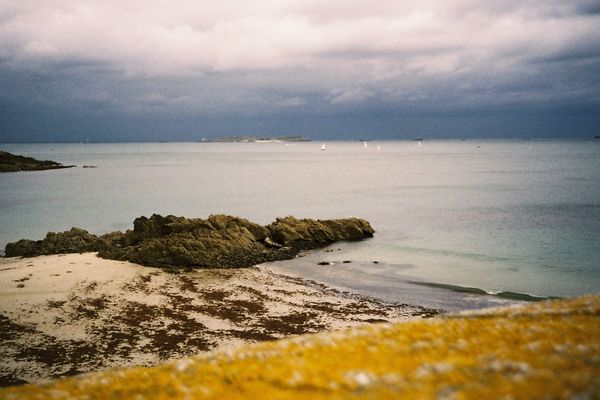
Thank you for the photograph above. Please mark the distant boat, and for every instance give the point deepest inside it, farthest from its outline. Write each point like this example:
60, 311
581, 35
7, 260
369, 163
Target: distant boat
323, 147
365, 143
419, 139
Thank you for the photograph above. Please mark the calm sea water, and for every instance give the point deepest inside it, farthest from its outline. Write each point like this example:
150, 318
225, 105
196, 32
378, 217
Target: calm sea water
502, 216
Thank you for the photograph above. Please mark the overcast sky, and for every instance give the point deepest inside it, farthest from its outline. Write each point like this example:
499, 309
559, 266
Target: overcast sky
187, 69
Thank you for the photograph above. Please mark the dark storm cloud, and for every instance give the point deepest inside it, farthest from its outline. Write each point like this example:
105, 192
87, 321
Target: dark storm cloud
591, 7
150, 70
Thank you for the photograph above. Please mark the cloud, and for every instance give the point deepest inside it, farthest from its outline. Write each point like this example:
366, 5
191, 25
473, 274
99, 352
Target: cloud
200, 57
349, 96
160, 100
158, 37
291, 102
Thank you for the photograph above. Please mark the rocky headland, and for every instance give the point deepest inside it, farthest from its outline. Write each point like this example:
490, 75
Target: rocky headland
218, 241
13, 163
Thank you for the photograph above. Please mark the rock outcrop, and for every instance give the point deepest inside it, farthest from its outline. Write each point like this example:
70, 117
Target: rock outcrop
75, 240
308, 233
219, 241
13, 163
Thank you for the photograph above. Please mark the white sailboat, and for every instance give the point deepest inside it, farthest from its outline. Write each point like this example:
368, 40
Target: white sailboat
323, 147
365, 143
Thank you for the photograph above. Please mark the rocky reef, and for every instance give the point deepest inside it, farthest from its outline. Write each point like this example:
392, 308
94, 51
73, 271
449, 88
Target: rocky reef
549, 350
219, 241
13, 163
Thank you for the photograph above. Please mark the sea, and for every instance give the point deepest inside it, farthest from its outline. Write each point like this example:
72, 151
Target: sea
460, 224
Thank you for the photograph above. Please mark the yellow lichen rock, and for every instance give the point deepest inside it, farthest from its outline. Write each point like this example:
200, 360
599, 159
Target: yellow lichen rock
545, 350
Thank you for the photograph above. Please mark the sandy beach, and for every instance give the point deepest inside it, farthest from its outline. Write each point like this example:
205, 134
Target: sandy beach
67, 314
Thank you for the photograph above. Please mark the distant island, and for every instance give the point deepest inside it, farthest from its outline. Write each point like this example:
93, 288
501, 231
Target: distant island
255, 139
13, 163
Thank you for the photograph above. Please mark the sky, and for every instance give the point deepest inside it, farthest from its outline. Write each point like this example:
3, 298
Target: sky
150, 70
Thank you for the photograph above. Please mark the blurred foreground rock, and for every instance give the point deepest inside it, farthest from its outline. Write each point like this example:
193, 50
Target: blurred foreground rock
548, 350
219, 241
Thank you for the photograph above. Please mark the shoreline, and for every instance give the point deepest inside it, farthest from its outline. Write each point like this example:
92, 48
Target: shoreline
68, 314
335, 266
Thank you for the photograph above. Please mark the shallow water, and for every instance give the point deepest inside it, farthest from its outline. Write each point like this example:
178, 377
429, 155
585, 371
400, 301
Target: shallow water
502, 216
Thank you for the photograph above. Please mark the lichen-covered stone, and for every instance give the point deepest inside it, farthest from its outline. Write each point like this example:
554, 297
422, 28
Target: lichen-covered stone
219, 241
549, 350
